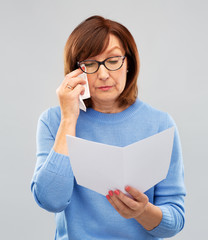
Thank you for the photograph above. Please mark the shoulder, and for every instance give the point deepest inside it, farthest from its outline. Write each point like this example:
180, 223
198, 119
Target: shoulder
155, 115
52, 113
51, 117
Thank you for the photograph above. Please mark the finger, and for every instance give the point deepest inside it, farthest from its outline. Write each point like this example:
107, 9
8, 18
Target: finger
112, 203
136, 194
73, 82
74, 73
129, 202
122, 208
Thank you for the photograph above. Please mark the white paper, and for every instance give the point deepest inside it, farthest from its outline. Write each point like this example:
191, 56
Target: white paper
86, 93
101, 167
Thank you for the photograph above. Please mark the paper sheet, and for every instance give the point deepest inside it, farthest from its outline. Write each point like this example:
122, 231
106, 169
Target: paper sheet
101, 167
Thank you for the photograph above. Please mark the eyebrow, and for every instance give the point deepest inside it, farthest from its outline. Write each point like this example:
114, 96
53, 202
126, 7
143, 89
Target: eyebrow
110, 50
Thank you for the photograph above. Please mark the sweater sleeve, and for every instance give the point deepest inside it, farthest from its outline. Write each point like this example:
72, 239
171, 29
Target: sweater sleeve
170, 193
53, 173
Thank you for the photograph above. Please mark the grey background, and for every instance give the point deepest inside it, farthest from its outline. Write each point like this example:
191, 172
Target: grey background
172, 41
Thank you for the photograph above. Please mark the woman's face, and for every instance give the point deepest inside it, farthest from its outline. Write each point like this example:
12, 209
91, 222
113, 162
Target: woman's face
105, 86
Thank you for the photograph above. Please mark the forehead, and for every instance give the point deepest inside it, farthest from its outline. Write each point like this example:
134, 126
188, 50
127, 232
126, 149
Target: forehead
110, 45
114, 44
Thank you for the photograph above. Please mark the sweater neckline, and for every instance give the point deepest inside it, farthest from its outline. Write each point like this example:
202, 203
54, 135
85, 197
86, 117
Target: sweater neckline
114, 117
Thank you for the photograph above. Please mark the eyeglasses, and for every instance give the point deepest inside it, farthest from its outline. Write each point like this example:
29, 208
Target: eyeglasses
111, 63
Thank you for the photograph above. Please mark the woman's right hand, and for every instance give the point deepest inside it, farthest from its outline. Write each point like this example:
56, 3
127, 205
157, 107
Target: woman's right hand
69, 98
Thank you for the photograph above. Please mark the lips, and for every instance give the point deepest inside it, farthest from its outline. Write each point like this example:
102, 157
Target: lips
105, 88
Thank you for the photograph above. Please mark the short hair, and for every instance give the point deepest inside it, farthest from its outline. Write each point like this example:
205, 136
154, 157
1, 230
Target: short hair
90, 38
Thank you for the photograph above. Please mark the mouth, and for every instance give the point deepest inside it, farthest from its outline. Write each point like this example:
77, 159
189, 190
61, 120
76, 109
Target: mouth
105, 88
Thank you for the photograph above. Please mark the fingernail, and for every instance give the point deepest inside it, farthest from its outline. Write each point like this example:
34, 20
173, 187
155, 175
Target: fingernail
127, 188
116, 192
108, 197
111, 193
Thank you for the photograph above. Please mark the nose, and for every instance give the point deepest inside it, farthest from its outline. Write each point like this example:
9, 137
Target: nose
103, 73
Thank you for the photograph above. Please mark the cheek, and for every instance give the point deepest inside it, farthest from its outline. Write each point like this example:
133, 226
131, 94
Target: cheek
123, 75
92, 84
90, 81
122, 80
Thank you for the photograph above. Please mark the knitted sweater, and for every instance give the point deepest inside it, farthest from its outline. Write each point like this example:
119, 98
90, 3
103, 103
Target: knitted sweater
84, 214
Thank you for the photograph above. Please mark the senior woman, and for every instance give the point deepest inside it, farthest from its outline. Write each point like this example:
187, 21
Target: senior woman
116, 116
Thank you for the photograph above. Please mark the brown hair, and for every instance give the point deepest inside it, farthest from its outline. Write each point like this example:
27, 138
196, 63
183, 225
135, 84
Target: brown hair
90, 38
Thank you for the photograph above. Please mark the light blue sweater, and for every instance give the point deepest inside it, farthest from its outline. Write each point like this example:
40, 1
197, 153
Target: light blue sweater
82, 214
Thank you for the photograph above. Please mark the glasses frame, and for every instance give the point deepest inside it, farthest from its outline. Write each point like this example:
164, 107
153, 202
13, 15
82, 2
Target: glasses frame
100, 63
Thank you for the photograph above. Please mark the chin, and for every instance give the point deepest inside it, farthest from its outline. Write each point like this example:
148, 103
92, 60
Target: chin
104, 98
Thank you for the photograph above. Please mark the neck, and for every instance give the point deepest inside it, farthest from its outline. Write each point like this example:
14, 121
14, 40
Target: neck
107, 107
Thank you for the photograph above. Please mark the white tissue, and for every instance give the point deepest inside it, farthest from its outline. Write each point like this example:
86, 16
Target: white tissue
86, 93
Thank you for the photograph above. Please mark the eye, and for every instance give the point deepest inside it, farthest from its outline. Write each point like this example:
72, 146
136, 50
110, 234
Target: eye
113, 61
90, 64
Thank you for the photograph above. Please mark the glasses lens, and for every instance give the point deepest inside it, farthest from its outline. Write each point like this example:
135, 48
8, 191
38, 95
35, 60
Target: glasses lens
90, 66
114, 63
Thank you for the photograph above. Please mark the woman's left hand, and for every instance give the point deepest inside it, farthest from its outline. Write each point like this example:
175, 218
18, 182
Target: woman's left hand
128, 207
